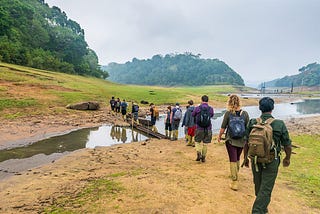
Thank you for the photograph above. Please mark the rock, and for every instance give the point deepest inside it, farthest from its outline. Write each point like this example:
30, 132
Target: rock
144, 102
84, 106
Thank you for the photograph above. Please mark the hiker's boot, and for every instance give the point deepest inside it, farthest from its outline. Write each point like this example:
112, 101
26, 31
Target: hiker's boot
204, 152
170, 134
189, 140
177, 134
234, 176
203, 158
199, 156
167, 133
238, 166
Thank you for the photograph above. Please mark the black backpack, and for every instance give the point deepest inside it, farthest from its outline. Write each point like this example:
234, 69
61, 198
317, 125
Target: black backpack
237, 126
135, 108
204, 118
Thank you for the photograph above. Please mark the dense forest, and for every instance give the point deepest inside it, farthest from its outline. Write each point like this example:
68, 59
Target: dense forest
35, 35
309, 76
173, 70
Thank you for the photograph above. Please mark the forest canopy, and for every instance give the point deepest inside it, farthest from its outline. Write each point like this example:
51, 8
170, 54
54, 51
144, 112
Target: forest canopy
35, 35
174, 70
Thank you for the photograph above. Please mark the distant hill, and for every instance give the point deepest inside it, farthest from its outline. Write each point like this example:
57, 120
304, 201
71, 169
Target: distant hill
35, 35
309, 76
173, 70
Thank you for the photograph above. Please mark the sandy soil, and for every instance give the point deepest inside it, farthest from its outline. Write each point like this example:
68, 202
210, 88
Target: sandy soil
168, 178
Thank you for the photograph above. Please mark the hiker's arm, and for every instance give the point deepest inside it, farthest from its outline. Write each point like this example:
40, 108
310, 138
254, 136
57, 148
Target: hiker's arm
245, 155
220, 134
286, 160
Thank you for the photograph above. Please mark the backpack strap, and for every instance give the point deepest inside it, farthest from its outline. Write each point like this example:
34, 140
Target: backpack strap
270, 120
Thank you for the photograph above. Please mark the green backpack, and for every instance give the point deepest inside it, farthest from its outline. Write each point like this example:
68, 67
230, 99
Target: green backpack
261, 143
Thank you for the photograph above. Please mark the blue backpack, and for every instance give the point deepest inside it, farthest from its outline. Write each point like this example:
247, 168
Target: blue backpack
237, 126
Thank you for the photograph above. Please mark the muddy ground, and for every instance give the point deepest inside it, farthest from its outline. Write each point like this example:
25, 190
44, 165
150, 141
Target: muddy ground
168, 178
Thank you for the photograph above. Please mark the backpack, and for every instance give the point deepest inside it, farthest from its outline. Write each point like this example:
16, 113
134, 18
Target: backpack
135, 108
156, 113
118, 104
177, 114
204, 118
261, 142
113, 103
236, 126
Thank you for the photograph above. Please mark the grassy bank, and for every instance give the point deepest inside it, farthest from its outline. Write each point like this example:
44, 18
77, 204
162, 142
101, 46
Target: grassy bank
303, 174
25, 90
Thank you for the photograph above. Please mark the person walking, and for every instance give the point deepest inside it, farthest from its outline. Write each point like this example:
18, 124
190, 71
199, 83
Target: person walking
183, 125
175, 117
135, 112
265, 169
190, 123
203, 114
124, 107
112, 104
118, 105
154, 114
235, 121
167, 123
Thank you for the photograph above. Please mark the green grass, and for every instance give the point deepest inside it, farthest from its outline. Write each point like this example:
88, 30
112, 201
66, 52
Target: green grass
304, 171
59, 89
14, 103
90, 196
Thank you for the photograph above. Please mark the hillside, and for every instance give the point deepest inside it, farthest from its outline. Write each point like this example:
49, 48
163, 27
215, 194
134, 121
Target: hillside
25, 91
309, 76
35, 35
174, 70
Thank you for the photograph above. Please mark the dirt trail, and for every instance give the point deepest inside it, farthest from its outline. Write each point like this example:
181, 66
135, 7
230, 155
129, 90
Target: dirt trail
158, 176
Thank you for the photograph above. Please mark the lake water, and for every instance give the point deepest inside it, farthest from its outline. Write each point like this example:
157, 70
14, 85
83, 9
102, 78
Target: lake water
107, 135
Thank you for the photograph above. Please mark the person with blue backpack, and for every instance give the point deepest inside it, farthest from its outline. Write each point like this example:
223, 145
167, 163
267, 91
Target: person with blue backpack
235, 121
175, 117
203, 114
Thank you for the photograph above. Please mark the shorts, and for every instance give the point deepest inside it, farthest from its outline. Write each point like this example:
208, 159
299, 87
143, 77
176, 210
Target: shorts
168, 127
175, 124
203, 135
123, 112
191, 131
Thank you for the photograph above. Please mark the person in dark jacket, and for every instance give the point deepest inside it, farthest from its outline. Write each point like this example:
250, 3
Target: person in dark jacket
190, 123
265, 174
203, 114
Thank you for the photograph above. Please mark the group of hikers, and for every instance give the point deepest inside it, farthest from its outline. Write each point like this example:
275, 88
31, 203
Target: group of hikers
261, 140
119, 106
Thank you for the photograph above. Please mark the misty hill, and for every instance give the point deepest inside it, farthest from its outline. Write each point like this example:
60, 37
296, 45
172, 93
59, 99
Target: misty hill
173, 70
309, 76
35, 35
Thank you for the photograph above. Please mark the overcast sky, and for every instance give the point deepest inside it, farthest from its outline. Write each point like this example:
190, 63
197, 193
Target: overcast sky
260, 39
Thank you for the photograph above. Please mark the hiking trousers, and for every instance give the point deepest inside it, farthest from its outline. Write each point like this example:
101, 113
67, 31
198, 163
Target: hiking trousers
264, 181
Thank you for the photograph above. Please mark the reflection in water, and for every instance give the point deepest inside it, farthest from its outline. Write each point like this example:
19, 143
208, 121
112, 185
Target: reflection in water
308, 107
84, 138
110, 135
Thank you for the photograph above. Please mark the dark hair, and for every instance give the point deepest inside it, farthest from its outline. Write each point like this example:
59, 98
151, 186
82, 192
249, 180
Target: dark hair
205, 98
112, 97
266, 104
169, 107
190, 102
151, 104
